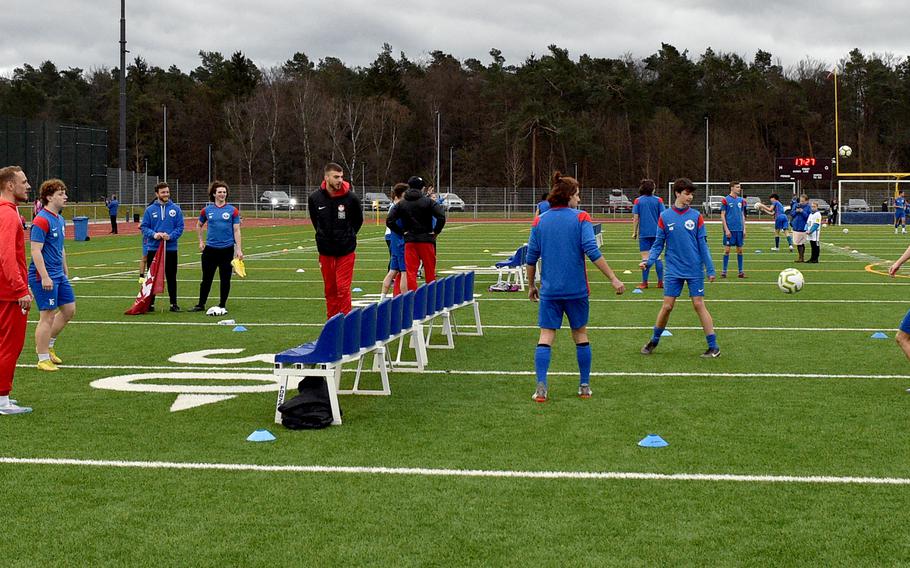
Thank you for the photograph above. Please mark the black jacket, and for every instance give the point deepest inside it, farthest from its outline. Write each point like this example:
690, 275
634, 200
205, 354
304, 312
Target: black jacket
336, 218
416, 212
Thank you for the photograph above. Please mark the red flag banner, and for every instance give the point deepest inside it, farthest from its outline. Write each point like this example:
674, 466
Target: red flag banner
153, 285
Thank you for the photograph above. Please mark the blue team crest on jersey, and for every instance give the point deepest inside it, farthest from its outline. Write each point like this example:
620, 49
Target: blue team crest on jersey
172, 213
690, 224
225, 215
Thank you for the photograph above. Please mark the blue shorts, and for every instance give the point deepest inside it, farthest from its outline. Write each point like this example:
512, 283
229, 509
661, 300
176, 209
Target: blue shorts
781, 224
905, 323
645, 243
898, 213
61, 295
673, 286
735, 239
396, 262
550, 313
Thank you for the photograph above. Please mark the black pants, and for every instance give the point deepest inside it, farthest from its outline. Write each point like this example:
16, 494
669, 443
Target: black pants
815, 250
213, 258
170, 272
114, 224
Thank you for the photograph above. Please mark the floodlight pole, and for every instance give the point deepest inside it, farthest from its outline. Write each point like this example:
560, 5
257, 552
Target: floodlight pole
210, 164
122, 153
707, 156
451, 160
165, 142
438, 138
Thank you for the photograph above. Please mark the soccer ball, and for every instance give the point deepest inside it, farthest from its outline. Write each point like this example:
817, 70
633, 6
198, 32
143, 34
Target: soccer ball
846, 231
758, 205
790, 281
845, 151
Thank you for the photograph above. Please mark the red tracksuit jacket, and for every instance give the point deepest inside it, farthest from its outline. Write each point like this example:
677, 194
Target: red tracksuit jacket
13, 272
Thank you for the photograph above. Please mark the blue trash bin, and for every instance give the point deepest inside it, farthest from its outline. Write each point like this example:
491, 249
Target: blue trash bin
81, 228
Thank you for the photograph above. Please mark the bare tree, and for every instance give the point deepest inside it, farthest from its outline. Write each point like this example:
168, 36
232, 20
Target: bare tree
385, 118
345, 130
266, 102
243, 126
304, 95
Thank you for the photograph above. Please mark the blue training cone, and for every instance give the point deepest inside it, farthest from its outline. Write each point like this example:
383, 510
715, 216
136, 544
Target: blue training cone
239, 328
653, 441
879, 335
637, 291
261, 436
666, 333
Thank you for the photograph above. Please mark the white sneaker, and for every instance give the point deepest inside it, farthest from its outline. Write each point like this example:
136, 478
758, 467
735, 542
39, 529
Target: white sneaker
775, 249
14, 409
216, 311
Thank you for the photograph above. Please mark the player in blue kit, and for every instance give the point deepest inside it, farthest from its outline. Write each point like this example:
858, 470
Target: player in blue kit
645, 212
732, 217
562, 237
47, 274
681, 230
900, 212
396, 250
781, 221
221, 245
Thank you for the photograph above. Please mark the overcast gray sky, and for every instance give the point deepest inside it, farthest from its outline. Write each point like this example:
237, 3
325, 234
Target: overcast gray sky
84, 33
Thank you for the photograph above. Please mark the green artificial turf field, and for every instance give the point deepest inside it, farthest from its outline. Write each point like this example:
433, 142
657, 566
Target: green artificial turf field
800, 399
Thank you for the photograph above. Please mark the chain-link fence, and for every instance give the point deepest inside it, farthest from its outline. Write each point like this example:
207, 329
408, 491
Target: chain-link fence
44, 150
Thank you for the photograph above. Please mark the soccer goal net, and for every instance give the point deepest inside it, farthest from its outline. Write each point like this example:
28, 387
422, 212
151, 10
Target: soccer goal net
869, 201
708, 195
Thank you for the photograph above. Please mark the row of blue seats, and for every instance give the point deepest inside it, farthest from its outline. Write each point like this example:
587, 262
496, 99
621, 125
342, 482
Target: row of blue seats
363, 328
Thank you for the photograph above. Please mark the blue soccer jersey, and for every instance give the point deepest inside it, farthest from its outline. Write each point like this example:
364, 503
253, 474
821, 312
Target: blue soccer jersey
396, 241
900, 205
648, 208
732, 208
47, 228
221, 221
563, 236
682, 232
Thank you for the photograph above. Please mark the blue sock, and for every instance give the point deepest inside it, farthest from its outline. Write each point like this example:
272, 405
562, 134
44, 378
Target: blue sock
658, 331
644, 274
542, 362
660, 269
726, 261
712, 341
739, 262
789, 240
776, 242
584, 356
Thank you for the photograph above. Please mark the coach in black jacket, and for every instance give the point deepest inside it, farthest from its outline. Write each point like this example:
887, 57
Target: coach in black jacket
337, 216
422, 219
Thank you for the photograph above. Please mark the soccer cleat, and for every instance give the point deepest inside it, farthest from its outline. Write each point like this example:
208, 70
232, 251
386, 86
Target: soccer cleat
642, 286
584, 390
13, 408
54, 358
660, 284
742, 275
791, 249
47, 365
775, 249
197, 308
175, 308
540, 394
723, 274
711, 353
648, 348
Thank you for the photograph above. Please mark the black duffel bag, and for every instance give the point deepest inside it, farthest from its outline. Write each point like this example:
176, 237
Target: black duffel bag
311, 409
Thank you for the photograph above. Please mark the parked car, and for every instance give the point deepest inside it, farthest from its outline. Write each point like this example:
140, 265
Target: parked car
376, 201
823, 206
712, 205
858, 205
617, 202
750, 206
277, 200
451, 202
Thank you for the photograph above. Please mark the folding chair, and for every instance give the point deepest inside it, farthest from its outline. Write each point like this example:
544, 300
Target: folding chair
445, 300
374, 331
317, 358
414, 308
466, 299
512, 266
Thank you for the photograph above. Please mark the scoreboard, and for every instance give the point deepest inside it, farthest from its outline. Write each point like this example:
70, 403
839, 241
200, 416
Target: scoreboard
803, 168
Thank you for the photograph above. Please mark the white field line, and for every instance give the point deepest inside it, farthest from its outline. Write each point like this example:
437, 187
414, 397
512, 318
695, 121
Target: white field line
502, 373
523, 299
471, 473
511, 327
483, 278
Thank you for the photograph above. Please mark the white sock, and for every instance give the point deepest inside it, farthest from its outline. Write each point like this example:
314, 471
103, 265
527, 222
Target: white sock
4, 400
44, 357
51, 342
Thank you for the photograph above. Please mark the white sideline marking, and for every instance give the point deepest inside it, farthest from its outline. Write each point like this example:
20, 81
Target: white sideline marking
590, 327
432, 472
524, 299
522, 372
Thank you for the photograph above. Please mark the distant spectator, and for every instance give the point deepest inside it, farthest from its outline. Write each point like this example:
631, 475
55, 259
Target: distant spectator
112, 207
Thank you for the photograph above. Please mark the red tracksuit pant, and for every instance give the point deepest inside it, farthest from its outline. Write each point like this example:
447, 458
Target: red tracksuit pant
414, 253
337, 274
12, 338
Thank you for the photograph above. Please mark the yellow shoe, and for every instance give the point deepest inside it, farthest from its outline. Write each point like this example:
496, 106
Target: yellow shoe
54, 358
47, 365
